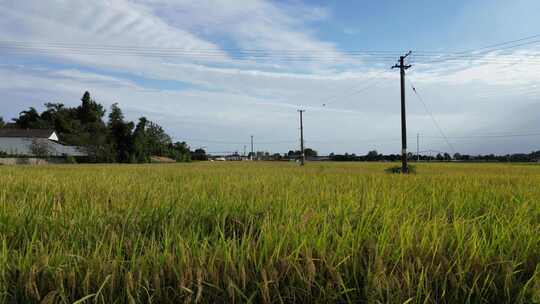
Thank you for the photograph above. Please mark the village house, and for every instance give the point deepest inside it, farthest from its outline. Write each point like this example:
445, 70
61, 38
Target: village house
35, 143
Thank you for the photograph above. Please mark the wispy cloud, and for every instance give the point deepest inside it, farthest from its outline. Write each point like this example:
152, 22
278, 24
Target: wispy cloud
230, 98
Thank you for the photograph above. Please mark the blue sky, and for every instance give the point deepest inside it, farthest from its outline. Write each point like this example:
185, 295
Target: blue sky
428, 25
219, 99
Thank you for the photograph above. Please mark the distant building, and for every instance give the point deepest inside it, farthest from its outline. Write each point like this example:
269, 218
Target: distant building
25, 142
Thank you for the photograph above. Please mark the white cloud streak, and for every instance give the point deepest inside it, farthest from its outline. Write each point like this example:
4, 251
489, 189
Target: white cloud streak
226, 99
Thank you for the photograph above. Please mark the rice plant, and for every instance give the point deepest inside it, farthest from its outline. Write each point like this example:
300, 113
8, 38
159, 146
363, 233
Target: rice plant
270, 233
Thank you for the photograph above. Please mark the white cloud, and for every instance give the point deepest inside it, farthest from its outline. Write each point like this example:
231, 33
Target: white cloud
225, 99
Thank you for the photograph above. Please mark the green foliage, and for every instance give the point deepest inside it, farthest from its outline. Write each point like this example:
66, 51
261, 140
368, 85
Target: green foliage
2, 122
397, 169
373, 155
199, 154
261, 232
90, 112
120, 135
116, 141
71, 159
40, 148
30, 119
308, 152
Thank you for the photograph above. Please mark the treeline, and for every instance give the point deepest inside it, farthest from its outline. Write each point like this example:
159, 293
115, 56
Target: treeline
516, 157
114, 140
375, 156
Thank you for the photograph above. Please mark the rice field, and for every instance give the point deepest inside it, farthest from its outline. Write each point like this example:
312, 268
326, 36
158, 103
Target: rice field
270, 233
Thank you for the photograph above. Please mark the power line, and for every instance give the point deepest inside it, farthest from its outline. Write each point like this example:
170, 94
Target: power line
384, 140
285, 55
491, 48
492, 136
211, 141
371, 83
386, 53
432, 117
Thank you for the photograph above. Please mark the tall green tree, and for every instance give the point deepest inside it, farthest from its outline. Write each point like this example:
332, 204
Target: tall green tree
180, 152
199, 154
159, 141
141, 148
120, 133
117, 140
90, 111
308, 152
30, 119
2, 122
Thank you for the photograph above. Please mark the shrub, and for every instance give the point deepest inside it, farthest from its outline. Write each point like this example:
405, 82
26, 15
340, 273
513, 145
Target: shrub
397, 170
70, 159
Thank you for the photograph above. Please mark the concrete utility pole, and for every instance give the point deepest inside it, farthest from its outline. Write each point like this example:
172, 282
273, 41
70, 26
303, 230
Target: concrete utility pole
302, 154
252, 154
417, 147
402, 68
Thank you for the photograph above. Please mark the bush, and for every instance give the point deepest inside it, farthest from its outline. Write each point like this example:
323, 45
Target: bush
397, 170
71, 159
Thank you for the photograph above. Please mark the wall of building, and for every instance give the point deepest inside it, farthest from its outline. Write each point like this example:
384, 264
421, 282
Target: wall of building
10, 161
22, 146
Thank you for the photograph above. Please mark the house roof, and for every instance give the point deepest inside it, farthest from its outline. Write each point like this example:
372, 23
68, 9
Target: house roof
26, 133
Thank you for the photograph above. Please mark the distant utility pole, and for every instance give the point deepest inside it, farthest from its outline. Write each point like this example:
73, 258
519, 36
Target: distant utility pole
245, 149
252, 154
302, 154
417, 147
402, 68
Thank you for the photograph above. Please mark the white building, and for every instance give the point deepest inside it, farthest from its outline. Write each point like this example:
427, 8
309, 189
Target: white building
22, 142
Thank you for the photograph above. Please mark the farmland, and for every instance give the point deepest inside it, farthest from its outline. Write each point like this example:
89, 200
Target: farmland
270, 232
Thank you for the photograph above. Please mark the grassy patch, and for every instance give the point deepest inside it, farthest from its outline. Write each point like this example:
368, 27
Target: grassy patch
270, 232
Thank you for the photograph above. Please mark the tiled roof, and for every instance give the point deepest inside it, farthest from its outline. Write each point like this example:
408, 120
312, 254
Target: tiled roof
26, 133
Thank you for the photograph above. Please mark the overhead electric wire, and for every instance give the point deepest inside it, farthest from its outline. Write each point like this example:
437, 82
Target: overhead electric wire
188, 50
253, 51
484, 47
234, 54
488, 49
492, 136
371, 83
432, 117
211, 141
177, 52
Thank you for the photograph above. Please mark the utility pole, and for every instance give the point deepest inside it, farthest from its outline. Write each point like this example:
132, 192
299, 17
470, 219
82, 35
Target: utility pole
252, 153
402, 68
302, 154
418, 147
245, 148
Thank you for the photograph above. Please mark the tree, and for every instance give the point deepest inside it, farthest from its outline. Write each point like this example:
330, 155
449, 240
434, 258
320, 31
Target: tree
372, 155
276, 156
90, 111
63, 120
2, 123
447, 157
149, 139
29, 119
308, 152
120, 135
180, 152
40, 148
293, 154
158, 140
199, 154
141, 149
440, 157
114, 141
